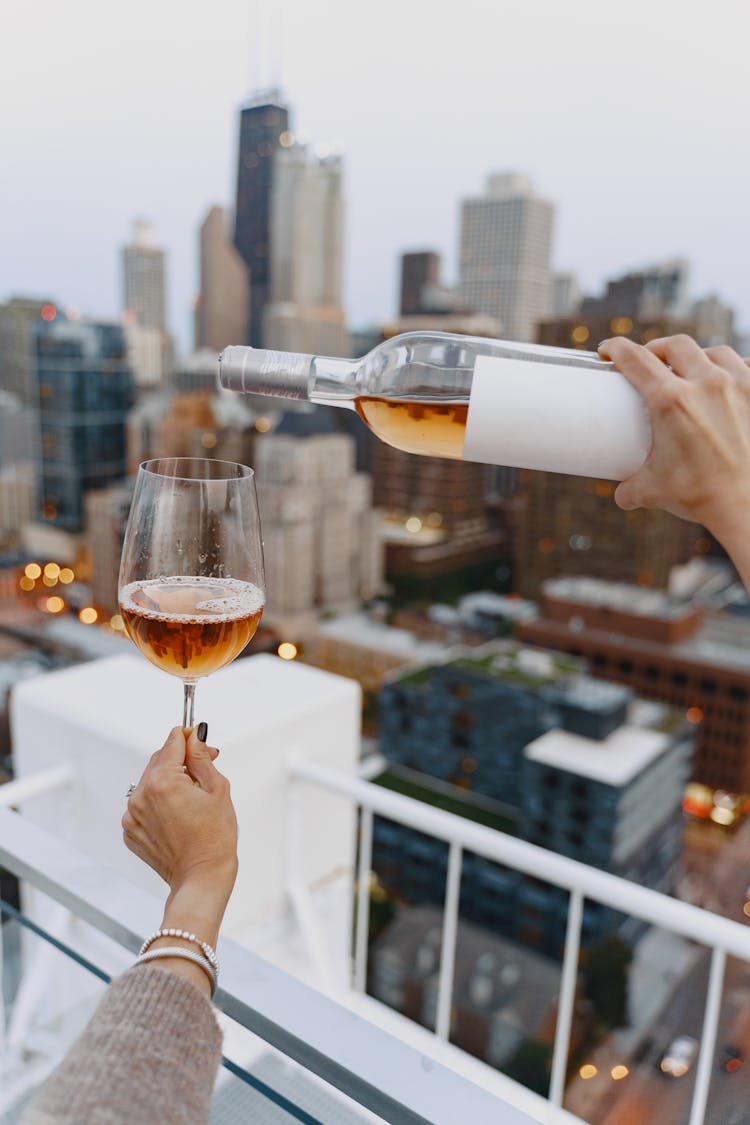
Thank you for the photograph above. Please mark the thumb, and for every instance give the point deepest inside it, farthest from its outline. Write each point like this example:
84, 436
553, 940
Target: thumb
199, 760
625, 497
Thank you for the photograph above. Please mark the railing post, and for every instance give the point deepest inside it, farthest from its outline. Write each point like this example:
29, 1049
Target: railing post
708, 1037
568, 980
448, 950
363, 899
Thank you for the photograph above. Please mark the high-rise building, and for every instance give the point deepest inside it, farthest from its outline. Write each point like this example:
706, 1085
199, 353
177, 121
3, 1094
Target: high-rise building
264, 127
17, 502
419, 269
106, 517
571, 525
144, 304
17, 318
320, 533
198, 421
647, 294
714, 322
505, 247
565, 295
304, 312
221, 309
18, 431
85, 391
143, 279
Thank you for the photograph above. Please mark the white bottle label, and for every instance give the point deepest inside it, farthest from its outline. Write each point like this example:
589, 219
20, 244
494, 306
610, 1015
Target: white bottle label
556, 418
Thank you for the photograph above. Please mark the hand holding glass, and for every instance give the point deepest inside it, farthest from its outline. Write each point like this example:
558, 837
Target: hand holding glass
191, 586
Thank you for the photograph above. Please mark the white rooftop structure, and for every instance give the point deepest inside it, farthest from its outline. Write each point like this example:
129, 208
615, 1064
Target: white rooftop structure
362, 629
613, 595
497, 605
614, 761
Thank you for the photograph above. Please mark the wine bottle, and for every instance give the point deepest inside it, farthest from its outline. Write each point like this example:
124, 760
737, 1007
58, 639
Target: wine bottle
491, 401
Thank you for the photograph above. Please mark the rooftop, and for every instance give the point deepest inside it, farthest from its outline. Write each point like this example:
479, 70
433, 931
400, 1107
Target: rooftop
620, 596
614, 761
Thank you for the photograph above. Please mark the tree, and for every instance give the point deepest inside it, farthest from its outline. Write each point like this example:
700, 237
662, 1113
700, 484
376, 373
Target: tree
605, 979
530, 1065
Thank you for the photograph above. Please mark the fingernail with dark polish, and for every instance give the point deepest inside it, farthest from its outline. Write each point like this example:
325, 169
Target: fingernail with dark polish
202, 732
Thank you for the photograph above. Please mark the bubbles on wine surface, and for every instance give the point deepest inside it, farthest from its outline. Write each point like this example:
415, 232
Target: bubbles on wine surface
186, 598
191, 626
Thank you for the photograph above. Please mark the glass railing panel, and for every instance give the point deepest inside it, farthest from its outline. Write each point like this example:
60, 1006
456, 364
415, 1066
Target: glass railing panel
37, 1027
274, 1089
48, 995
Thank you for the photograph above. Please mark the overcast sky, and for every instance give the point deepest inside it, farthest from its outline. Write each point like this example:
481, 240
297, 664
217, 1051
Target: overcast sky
632, 117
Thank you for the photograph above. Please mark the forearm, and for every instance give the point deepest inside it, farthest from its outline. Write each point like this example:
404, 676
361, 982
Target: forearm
197, 908
149, 1053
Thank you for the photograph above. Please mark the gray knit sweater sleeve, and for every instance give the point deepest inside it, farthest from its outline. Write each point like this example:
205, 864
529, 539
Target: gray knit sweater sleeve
149, 1054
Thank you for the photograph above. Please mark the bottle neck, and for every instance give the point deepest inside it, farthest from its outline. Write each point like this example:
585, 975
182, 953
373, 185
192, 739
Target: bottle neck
333, 381
311, 378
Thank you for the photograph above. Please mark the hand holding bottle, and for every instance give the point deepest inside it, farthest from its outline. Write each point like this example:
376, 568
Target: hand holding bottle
698, 466
495, 402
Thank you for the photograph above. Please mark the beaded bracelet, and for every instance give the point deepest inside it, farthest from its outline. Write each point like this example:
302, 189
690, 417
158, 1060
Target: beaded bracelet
186, 955
170, 931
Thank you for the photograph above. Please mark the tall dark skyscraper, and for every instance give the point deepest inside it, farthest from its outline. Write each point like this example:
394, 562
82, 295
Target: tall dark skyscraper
418, 269
85, 391
264, 127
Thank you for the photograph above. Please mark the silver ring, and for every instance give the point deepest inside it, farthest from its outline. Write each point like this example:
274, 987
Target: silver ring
130, 792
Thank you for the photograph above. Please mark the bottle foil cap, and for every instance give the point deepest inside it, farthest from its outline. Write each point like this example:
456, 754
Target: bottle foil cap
260, 371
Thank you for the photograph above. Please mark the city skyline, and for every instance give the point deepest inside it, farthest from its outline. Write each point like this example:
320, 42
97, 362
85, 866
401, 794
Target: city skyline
605, 115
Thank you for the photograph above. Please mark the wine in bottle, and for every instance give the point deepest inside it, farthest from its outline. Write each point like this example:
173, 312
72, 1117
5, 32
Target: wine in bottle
463, 397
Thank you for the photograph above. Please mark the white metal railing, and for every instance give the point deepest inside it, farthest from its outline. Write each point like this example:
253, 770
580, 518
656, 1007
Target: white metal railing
375, 1069
581, 881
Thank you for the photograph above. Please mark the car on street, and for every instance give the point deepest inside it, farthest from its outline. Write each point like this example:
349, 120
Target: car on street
679, 1056
730, 1058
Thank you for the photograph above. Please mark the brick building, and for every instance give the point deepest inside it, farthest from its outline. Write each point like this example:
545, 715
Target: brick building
669, 652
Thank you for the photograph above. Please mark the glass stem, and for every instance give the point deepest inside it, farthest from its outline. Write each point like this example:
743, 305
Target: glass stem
188, 707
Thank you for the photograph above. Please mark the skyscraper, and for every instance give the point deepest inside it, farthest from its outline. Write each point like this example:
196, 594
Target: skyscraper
305, 310
504, 266
85, 391
143, 279
419, 268
264, 126
221, 311
144, 303
657, 291
320, 533
17, 318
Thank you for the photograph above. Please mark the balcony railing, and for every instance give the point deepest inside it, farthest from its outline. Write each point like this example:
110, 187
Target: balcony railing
375, 1069
582, 882
378, 1071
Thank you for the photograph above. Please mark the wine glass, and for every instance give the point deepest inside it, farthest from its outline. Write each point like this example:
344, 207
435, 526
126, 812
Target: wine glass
191, 587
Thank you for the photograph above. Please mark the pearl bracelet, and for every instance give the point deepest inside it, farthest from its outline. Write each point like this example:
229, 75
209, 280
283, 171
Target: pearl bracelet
208, 951
186, 955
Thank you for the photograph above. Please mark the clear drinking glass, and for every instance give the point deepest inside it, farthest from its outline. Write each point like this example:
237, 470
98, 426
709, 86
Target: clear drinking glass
191, 585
